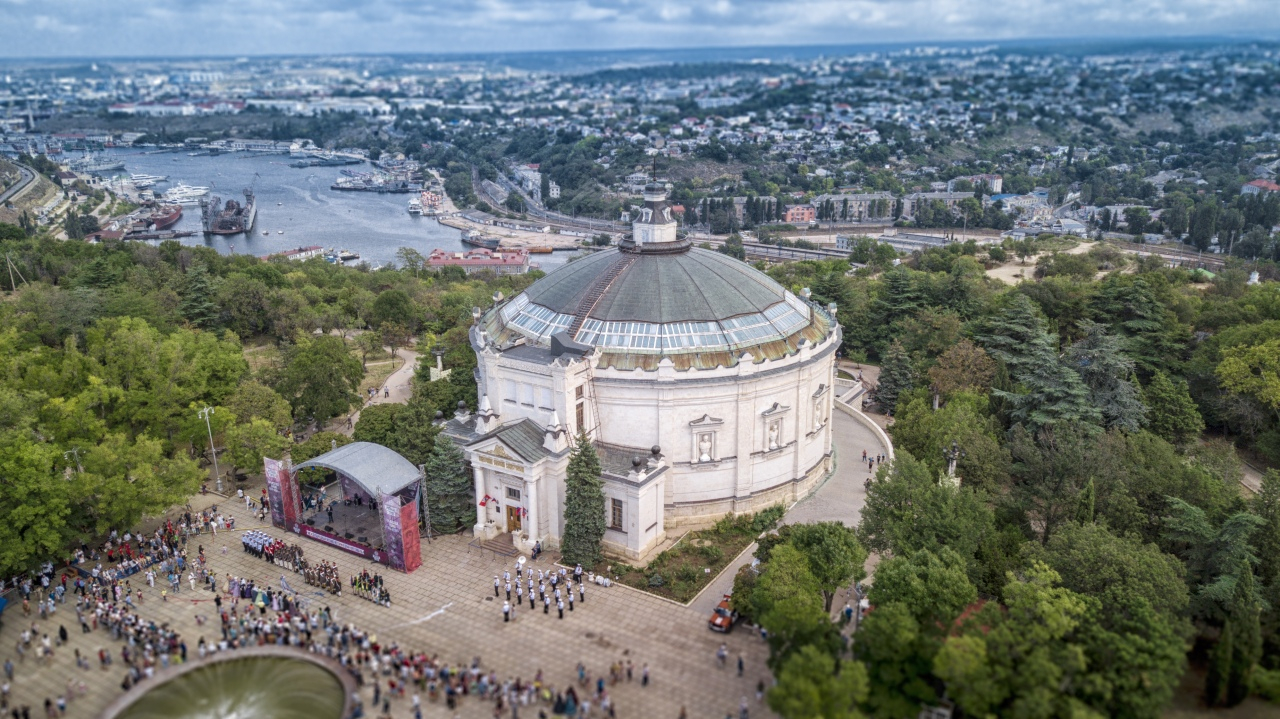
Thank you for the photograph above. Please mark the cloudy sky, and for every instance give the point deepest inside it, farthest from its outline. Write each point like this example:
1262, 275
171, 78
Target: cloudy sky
84, 28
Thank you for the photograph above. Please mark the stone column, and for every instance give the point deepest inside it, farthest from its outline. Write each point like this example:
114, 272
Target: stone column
531, 504
482, 513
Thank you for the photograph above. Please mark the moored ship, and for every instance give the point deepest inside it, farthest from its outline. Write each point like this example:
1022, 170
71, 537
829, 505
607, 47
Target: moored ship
164, 217
232, 218
90, 163
475, 239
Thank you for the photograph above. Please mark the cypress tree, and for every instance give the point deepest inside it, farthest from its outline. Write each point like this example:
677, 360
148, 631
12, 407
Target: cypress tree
583, 506
197, 305
896, 377
1246, 640
448, 487
1085, 503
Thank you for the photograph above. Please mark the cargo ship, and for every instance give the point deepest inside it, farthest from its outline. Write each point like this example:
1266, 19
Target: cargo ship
164, 217
232, 218
475, 239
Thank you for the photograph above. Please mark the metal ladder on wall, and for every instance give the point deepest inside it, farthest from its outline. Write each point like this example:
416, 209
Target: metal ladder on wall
597, 290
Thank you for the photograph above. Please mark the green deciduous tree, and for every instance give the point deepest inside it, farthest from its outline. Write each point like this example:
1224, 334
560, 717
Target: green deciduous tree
1253, 370
319, 378
584, 522
250, 442
448, 488
37, 501
254, 400
377, 424
835, 556
812, 684
908, 510
1016, 662
788, 604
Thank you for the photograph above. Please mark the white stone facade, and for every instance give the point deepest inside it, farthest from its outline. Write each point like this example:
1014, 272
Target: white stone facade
731, 440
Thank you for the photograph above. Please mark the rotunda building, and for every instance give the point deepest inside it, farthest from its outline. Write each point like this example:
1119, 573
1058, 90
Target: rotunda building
705, 386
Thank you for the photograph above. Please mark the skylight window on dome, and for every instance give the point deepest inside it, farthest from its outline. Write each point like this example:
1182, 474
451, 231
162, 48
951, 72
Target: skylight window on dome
786, 318
535, 321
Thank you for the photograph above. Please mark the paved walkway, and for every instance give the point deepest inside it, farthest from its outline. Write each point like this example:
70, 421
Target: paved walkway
839, 499
399, 382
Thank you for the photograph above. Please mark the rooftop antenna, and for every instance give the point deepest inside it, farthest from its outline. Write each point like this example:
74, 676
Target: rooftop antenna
655, 169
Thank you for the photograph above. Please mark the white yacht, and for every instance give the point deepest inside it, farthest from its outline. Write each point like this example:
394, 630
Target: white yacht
415, 206
185, 194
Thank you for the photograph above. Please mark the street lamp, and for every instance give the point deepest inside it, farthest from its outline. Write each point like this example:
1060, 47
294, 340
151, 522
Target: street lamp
952, 455
205, 414
76, 452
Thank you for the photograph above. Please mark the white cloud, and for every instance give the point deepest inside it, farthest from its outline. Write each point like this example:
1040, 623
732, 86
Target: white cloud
196, 27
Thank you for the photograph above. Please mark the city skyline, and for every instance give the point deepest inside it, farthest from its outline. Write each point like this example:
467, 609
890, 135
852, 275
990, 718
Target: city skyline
165, 28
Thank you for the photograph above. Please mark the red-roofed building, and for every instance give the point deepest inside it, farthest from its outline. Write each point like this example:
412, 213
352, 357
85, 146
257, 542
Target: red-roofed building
1256, 187
503, 262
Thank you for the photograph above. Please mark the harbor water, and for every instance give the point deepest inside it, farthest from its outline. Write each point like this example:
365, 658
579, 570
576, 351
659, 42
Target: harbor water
296, 208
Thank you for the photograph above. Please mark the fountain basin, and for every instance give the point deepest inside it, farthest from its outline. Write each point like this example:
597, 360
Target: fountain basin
268, 682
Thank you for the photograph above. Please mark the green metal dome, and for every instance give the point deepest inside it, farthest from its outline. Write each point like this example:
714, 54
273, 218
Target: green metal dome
639, 306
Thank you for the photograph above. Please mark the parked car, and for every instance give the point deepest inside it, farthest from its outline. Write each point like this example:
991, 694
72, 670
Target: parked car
723, 618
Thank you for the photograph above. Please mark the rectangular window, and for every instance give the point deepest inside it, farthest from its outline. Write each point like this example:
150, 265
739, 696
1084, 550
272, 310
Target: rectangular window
526, 394
582, 413
577, 392
510, 394
544, 398
513, 493
615, 515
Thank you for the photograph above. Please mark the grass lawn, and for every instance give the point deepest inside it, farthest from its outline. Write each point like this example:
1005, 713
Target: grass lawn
376, 373
680, 572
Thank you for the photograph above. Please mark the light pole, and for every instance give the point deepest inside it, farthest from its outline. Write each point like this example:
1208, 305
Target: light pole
75, 451
205, 413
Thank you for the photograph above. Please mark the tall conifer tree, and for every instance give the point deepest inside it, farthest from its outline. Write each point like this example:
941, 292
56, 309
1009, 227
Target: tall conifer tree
583, 505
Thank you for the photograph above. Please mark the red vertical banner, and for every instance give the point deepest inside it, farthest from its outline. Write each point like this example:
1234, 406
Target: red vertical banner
409, 531
275, 472
393, 538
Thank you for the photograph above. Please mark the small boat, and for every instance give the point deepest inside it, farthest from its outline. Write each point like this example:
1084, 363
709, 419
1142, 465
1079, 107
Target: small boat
279, 204
279, 232
266, 232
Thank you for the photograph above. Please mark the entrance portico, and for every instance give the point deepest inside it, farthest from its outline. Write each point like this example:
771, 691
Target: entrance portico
519, 477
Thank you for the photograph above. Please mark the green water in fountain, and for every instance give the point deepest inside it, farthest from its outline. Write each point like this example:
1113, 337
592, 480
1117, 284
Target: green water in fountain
249, 688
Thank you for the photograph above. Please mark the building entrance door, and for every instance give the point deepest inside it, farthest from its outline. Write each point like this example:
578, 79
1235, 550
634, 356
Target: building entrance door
513, 519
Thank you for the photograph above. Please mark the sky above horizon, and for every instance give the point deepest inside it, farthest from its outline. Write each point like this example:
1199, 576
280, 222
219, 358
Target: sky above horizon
94, 28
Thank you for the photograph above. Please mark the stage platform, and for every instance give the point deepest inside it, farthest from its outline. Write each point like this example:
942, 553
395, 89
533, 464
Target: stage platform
358, 523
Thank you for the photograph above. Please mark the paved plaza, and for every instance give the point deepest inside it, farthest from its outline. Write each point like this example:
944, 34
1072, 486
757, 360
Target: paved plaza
447, 609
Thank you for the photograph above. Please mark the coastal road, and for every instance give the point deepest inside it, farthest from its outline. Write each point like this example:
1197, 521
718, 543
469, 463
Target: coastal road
28, 176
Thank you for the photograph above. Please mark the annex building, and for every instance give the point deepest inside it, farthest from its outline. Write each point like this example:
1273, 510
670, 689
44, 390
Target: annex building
705, 386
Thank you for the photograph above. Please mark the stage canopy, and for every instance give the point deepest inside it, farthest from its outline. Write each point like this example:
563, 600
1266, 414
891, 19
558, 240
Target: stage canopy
379, 470
386, 477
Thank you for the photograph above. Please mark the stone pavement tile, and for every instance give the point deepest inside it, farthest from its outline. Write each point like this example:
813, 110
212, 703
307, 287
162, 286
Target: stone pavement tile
444, 608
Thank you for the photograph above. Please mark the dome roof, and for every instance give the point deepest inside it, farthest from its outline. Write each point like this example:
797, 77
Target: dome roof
699, 307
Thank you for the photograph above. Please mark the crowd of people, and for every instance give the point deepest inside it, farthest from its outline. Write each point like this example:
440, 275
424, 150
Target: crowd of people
324, 576
370, 586
553, 588
253, 612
